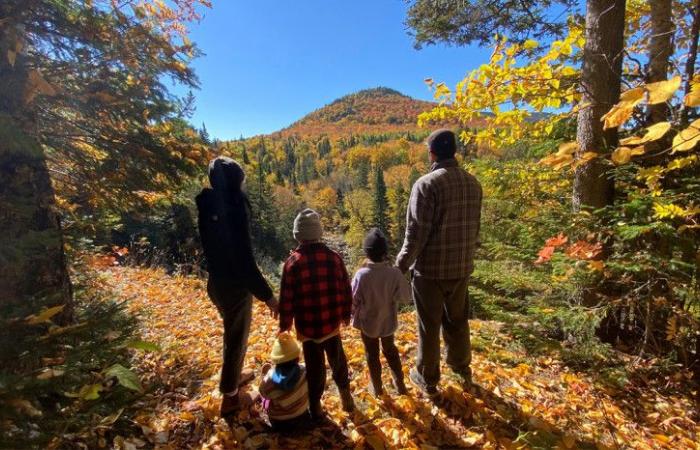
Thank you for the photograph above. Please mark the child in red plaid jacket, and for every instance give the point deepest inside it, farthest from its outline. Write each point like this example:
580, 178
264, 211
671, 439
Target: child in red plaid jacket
315, 295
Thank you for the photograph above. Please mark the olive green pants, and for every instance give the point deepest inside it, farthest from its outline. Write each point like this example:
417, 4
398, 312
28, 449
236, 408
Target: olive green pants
442, 304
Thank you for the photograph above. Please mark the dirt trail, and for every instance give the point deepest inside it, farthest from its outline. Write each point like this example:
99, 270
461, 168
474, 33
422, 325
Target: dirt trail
540, 403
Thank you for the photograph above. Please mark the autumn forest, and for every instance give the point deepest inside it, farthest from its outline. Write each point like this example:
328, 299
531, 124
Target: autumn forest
582, 128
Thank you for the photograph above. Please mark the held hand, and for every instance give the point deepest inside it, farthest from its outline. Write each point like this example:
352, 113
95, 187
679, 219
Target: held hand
274, 306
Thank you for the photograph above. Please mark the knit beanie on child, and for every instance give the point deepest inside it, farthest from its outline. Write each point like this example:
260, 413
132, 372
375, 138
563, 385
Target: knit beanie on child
307, 226
375, 245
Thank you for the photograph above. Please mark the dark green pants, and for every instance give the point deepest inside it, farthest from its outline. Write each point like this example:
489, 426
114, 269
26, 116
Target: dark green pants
441, 304
235, 305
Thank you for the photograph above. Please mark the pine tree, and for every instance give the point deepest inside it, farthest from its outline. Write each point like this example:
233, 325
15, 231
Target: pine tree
380, 204
204, 135
398, 202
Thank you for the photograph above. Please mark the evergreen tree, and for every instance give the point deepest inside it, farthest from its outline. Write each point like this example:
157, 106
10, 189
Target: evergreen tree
204, 135
264, 216
463, 22
398, 202
323, 147
380, 204
361, 179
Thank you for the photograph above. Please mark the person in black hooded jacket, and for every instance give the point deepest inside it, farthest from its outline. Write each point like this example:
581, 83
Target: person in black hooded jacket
234, 277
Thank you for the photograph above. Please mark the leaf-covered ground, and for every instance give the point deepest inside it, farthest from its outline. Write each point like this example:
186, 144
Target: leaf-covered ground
518, 401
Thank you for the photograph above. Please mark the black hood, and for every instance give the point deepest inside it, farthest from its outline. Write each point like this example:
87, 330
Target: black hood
226, 175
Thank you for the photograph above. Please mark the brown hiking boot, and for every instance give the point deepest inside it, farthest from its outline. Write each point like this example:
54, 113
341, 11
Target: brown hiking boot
346, 400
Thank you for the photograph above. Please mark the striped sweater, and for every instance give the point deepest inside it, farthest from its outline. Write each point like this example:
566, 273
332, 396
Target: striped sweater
284, 405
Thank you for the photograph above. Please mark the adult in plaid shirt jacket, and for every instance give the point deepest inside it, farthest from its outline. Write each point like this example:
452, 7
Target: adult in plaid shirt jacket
442, 232
316, 296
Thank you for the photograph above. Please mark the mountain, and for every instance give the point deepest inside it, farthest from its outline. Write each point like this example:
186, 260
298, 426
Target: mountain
370, 111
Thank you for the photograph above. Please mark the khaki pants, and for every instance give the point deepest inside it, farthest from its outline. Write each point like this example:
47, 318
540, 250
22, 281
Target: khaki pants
442, 304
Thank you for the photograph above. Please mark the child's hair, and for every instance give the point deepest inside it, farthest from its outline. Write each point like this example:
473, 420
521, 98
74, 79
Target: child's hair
375, 245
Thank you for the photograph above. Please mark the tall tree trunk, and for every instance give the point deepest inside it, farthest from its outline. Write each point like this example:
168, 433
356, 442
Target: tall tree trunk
33, 270
660, 52
692, 56
600, 84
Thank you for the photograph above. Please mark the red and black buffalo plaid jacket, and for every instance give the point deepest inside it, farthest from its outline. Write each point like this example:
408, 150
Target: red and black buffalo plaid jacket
315, 291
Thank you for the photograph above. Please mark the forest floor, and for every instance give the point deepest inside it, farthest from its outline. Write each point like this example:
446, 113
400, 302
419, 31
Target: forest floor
518, 401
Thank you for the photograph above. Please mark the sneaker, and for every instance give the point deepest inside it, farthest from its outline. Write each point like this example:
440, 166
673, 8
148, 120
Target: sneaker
430, 391
346, 400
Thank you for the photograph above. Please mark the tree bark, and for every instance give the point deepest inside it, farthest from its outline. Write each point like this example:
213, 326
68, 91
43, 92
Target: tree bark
600, 85
660, 52
33, 269
692, 57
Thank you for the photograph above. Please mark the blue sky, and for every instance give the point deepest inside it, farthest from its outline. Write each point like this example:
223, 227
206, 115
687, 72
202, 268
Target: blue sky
269, 62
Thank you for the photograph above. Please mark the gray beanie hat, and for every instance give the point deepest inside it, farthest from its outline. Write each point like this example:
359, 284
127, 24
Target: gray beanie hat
307, 226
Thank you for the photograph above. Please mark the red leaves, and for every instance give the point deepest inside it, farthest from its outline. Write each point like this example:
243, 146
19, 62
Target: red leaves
581, 250
549, 246
545, 254
584, 250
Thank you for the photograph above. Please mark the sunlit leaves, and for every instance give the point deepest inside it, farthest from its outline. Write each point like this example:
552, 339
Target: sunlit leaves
687, 139
562, 158
693, 97
623, 155
653, 133
654, 93
668, 211
622, 111
662, 91
545, 83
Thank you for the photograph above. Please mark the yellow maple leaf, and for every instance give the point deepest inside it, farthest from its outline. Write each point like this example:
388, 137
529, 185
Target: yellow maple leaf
621, 155
618, 115
568, 148
693, 97
687, 139
653, 133
661, 91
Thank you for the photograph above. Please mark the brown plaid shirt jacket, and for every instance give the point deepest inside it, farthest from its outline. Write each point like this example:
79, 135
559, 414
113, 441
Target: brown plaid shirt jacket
442, 223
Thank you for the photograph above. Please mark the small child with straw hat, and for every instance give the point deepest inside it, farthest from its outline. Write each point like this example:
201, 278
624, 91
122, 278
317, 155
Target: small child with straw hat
283, 387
